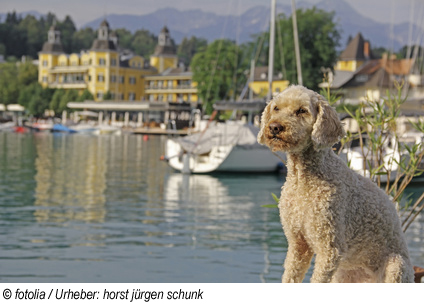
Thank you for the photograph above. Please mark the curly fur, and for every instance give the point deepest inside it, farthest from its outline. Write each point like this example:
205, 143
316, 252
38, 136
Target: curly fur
326, 209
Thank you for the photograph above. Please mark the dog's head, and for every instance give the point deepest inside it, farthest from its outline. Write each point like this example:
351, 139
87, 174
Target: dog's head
297, 117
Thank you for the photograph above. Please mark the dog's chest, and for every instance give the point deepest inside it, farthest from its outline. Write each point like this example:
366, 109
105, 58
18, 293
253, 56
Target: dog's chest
301, 203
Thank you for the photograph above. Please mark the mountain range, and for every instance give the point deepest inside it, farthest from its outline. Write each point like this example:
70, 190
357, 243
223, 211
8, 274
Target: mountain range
256, 20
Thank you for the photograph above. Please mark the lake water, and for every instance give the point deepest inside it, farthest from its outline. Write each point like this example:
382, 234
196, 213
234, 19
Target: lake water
81, 208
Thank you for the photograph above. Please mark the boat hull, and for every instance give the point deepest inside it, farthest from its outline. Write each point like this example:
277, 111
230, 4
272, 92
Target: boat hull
226, 158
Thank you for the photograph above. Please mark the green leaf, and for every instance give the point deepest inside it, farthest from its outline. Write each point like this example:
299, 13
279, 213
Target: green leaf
269, 206
276, 199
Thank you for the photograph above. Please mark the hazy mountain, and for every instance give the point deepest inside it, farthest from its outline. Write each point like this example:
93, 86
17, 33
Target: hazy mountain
255, 20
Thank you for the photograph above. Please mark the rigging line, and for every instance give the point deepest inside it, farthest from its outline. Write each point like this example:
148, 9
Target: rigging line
392, 40
414, 48
411, 20
217, 55
260, 41
390, 52
236, 59
280, 46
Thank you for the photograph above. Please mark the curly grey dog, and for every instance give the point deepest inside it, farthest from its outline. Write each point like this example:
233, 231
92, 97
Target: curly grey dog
326, 209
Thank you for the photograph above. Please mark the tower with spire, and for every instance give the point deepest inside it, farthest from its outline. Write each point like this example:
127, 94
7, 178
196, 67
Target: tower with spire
165, 55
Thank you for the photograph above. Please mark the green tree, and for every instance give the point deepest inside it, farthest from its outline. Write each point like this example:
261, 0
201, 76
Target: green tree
189, 47
318, 39
14, 39
36, 99
143, 43
55, 100
83, 39
26, 94
27, 73
85, 96
107, 96
69, 96
217, 72
9, 85
67, 29
124, 38
35, 35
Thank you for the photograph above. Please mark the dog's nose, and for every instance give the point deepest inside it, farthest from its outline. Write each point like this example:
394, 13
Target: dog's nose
276, 128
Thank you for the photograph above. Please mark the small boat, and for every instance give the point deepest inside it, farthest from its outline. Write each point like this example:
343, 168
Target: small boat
83, 128
62, 128
360, 158
41, 125
107, 129
8, 126
223, 147
360, 163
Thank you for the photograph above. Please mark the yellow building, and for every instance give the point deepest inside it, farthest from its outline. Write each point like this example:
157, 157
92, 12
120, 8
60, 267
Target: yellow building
260, 84
357, 52
174, 85
101, 69
165, 56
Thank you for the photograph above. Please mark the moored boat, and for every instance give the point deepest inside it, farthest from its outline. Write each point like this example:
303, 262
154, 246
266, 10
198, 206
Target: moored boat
223, 147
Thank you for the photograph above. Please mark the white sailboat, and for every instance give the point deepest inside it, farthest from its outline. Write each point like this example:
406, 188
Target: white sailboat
225, 147
229, 146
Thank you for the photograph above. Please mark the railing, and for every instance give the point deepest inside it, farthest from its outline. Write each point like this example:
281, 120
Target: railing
170, 88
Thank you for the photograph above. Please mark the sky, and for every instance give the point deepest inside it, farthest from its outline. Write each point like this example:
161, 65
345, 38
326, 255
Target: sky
83, 11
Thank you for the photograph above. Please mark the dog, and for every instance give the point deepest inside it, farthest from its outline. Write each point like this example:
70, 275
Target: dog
326, 209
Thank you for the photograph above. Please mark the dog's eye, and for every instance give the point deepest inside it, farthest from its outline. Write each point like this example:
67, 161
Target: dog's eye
300, 111
276, 108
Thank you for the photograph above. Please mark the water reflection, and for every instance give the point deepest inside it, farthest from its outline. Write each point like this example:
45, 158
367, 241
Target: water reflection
80, 208
225, 214
70, 178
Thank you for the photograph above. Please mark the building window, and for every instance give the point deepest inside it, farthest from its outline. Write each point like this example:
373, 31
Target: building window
132, 80
170, 84
169, 97
113, 62
99, 95
102, 61
151, 98
131, 96
45, 63
100, 78
160, 84
45, 79
113, 78
122, 79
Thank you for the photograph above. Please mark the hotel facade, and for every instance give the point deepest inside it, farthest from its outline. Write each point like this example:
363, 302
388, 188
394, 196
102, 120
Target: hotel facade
107, 69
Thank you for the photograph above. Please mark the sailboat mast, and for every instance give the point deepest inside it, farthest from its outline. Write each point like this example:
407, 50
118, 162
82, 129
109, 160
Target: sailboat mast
296, 44
271, 50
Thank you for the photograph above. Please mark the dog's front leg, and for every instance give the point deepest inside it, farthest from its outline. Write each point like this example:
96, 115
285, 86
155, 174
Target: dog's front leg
326, 263
298, 259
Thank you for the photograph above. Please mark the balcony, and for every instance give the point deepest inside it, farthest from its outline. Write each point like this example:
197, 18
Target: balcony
68, 85
175, 89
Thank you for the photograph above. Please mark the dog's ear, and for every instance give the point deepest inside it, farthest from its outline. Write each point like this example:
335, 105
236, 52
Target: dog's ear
264, 119
327, 129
